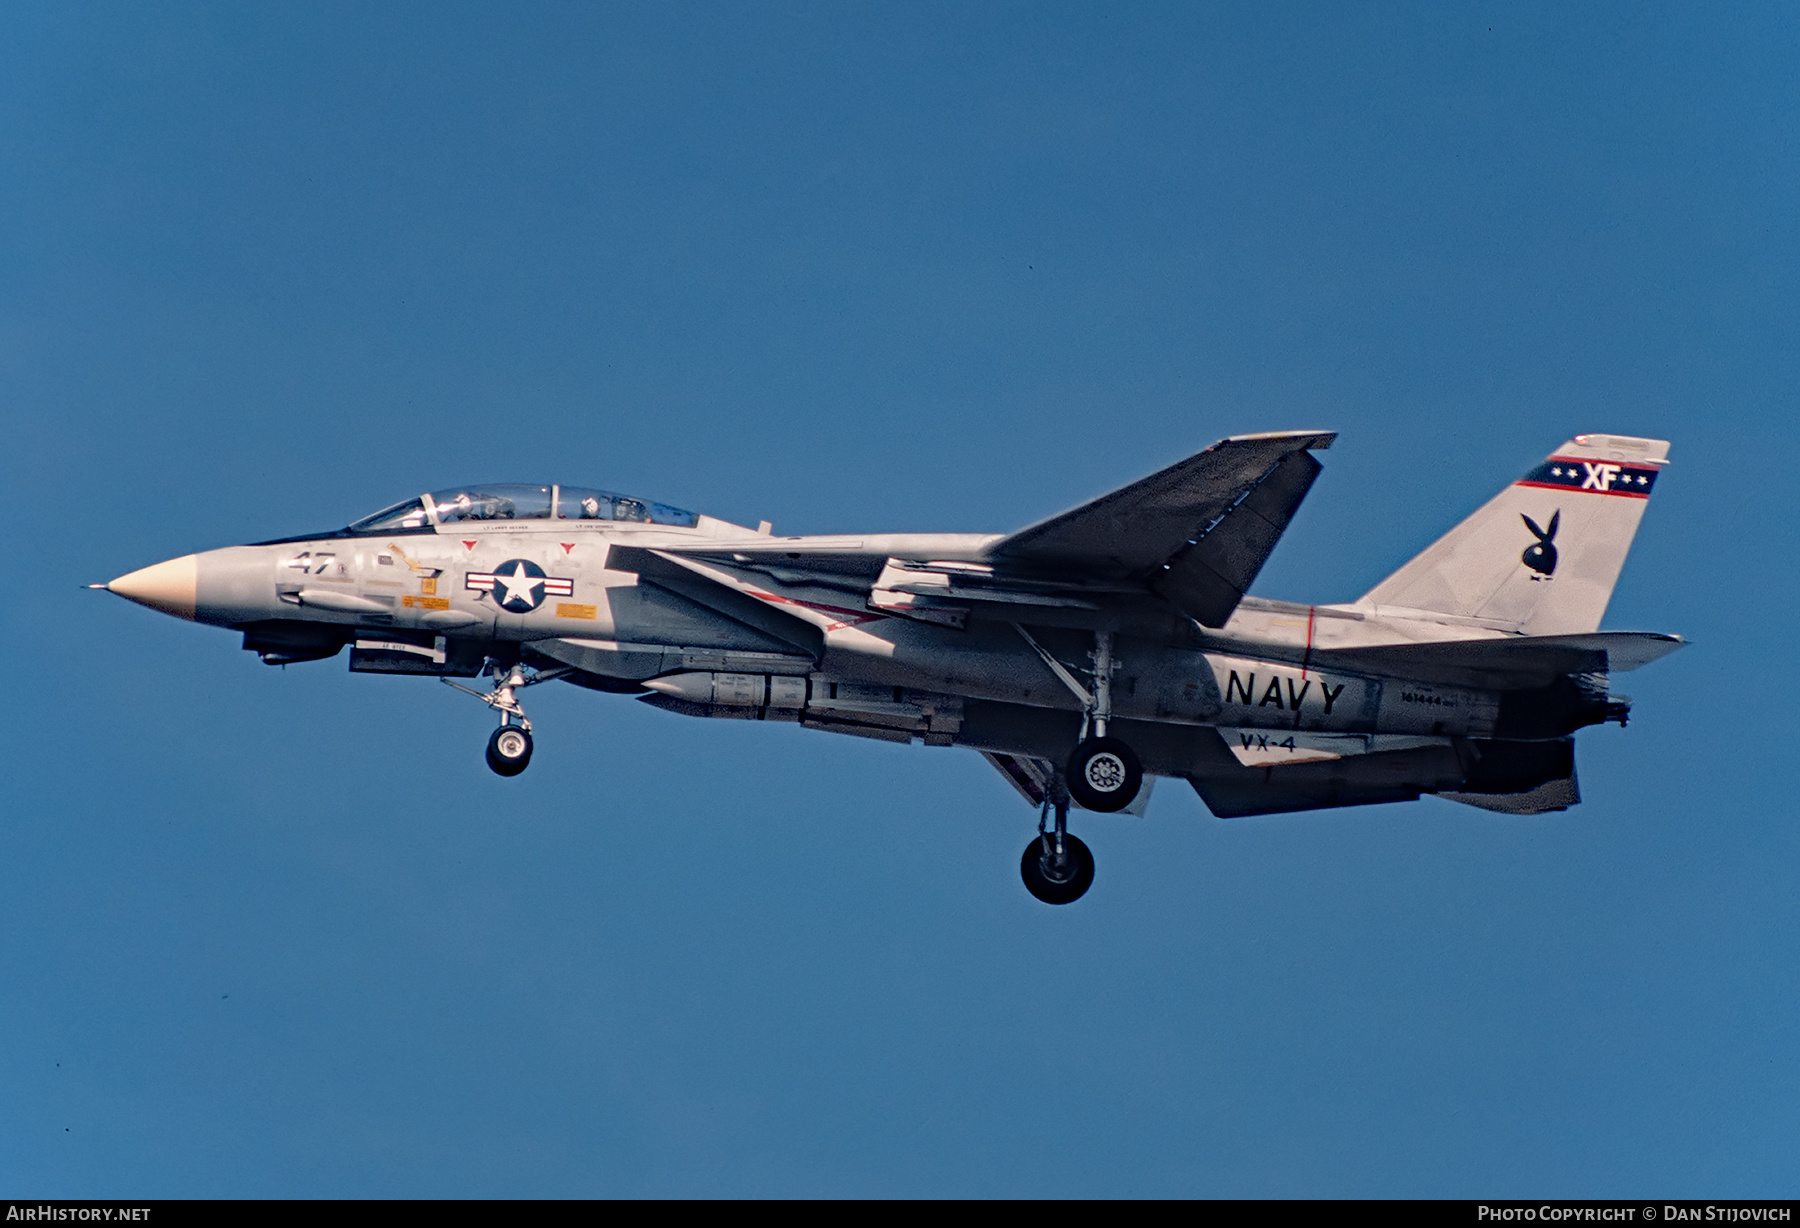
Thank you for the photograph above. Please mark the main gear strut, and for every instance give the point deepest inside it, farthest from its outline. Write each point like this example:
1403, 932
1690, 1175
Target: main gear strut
1103, 772
1057, 867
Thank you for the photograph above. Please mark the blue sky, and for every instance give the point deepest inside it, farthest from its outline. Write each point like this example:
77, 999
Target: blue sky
280, 932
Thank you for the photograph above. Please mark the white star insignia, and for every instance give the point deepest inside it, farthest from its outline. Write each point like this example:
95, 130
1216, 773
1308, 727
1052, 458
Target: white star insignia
516, 587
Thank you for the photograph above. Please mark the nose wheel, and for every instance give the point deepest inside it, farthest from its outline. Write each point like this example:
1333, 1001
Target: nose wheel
1057, 867
509, 750
509, 747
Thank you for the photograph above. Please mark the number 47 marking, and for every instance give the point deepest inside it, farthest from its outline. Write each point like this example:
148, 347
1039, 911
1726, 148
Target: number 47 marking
310, 563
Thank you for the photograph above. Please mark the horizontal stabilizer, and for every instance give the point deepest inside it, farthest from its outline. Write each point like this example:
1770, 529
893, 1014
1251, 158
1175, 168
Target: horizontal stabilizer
1507, 663
1198, 531
1236, 791
1557, 794
1510, 777
1286, 747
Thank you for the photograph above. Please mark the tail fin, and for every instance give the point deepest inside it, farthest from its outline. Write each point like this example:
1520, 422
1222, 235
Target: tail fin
1541, 556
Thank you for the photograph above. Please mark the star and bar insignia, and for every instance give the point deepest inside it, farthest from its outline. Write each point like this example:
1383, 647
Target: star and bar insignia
519, 586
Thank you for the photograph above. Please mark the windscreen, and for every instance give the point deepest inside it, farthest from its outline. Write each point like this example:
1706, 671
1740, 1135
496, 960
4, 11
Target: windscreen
408, 515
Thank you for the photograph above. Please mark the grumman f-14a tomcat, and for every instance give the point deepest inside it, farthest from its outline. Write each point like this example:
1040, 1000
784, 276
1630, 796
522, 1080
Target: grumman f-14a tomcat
1082, 656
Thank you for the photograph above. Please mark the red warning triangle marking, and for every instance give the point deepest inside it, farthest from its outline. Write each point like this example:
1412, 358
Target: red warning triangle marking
470, 545
567, 546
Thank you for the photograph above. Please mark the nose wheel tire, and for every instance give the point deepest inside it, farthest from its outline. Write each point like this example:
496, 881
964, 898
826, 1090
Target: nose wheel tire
1104, 775
1054, 880
509, 750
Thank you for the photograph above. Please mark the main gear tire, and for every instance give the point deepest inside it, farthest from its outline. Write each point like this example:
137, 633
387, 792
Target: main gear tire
1055, 883
509, 750
1105, 775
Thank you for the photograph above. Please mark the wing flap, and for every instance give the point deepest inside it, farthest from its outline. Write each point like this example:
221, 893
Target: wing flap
1207, 579
1141, 526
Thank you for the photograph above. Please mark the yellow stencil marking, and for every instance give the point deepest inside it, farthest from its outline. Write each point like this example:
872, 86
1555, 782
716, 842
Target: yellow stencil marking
568, 609
425, 603
427, 575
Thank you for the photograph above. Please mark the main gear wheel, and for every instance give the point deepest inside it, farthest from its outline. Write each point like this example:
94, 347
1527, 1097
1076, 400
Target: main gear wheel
1104, 775
1057, 878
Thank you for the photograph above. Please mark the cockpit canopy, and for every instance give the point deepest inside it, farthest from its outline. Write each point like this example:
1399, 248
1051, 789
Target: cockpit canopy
511, 501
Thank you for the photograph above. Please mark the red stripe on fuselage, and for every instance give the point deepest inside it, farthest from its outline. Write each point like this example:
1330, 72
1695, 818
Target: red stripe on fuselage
852, 618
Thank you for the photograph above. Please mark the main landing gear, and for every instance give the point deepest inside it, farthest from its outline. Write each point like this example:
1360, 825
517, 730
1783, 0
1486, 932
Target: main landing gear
509, 748
1057, 868
1104, 773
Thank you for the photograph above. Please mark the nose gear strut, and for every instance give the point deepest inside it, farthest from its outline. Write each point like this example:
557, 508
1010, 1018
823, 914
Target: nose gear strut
509, 748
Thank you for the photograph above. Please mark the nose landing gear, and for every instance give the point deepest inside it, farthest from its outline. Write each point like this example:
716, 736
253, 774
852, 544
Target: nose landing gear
509, 747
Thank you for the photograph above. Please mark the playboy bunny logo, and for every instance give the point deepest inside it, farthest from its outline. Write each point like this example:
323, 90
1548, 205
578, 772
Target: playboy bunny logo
1540, 556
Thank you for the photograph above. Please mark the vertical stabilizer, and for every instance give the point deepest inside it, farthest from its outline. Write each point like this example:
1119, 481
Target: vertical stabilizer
1541, 556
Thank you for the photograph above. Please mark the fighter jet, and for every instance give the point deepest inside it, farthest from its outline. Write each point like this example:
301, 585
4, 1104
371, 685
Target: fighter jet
1083, 657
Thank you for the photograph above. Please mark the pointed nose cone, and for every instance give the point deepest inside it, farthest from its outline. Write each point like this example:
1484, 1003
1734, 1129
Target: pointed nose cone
171, 587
